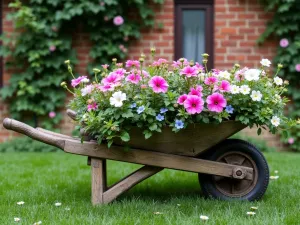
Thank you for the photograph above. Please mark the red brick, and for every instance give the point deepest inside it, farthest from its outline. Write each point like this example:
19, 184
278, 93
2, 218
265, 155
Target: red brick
228, 30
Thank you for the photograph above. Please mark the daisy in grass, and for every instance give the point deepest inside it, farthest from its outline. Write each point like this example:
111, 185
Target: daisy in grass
117, 99
16, 219
251, 213
216, 102
193, 104
205, 218
57, 204
158, 84
20, 203
256, 96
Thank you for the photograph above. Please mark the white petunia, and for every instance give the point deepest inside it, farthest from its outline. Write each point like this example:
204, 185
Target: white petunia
225, 74
278, 81
265, 62
20, 203
87, 90
256, 96
85, 80
57, 204
274, 177
252, 74
38, 223
245, 90
202, 217
275, 121
16, 219
234, 89
117, 99
251, 213
254, 208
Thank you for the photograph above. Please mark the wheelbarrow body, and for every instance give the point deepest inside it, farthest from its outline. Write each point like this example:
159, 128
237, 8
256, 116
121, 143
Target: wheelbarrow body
180, 151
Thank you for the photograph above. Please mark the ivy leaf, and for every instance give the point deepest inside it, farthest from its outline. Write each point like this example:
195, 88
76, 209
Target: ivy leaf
259, 131
125, 136
153, 127
147, 134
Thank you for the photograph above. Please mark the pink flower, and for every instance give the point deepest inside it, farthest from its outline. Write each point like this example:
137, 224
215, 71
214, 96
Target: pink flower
52, 48
239, 75
119, 64
105, 88
52, 114
189, 71
159, 62
158, 84
92, 106
78, 80
178, 64
216, 72
105, 66
291, 141
133, 78
118, 20
196, 91
182, 99
216, 102
297, 67
193, 104
144, 73
112, 79
199, 67
131, 63
210, 80
120, 72
284, 42
224, 86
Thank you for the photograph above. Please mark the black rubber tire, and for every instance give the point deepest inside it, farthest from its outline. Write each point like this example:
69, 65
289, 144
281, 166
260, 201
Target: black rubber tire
206, 181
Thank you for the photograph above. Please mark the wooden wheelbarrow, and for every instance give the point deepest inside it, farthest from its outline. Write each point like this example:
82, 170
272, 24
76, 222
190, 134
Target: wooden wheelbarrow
227, 168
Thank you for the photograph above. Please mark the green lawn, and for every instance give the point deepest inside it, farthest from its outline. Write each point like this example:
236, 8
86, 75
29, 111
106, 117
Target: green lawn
41, 179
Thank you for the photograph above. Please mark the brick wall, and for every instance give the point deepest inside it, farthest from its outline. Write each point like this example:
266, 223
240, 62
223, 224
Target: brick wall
238, 24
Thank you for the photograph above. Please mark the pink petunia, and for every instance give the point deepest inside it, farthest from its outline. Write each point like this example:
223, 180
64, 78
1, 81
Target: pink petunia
105, 87
158, 84
178, 64
78, 80
131, 63
199, 67
216, 102
134, 78
52, 114
92, 106
291, 141
118, 20
297, 67
52, 48
193, 104
182, 99
284, 42
216, 72
189, 71
196, 91
112, 79
210, 80
224, 86
120, 72
239, 75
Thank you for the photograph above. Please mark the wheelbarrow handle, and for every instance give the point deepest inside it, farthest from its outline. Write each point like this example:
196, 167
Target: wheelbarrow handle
29, 131
72, 114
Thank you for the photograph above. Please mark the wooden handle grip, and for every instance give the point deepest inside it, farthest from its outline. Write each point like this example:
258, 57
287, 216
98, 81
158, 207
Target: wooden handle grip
71, 114
29, 131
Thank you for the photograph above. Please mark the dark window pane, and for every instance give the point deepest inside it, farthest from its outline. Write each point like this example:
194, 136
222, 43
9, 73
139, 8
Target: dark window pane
193, 34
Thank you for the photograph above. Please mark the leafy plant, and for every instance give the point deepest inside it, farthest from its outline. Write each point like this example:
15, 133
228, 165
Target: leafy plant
43, 39
285, 27
152, 97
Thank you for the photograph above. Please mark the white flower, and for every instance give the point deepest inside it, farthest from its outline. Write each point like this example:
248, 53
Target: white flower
20, 203
38, 223
117, 99
278, 81
87, 90
269, 84
252, 74
251, 213
178, 204
16, 219
202, 217
234, 89
67, 209
157, 213
274, 177
256, 96
265, 62
254, 208
57, 204
276, 171
85, 80
225, 74
245, 90
275, 121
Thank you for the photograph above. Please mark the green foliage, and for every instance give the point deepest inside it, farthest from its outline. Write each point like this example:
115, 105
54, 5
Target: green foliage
26, 144
286, 24
43, 40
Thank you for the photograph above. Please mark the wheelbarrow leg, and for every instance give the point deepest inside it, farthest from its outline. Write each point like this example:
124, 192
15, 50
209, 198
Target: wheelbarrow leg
98, 167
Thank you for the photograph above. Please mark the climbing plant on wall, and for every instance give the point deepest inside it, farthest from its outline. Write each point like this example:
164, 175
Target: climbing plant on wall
285, 27
43, 41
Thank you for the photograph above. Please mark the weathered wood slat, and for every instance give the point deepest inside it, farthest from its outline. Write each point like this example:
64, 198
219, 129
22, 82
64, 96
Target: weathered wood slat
154, 159
62, 136
98, 167
129, 181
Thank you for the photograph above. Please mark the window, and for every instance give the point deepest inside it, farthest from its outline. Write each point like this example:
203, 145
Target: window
194, 29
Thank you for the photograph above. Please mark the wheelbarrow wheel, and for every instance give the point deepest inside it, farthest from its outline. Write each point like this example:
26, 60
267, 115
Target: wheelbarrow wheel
237, 152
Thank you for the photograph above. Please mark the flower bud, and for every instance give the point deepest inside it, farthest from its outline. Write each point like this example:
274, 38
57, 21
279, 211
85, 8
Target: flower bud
63, 84
204, 61
143, 55
141, 60
286, 82
192, 63
279, 66
175, 105
95, 70
237, 66
119, 65
181, 60
67, 62
114, 60
89, 101
153, 50
205, 55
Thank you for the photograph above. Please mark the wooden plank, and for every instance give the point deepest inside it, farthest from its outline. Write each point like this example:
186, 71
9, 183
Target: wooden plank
154, 159
191, 141
128, 182
62, 136
98, 167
